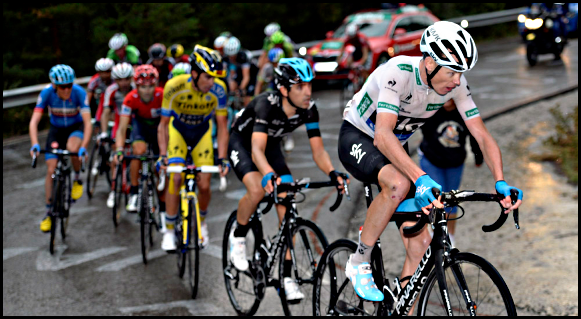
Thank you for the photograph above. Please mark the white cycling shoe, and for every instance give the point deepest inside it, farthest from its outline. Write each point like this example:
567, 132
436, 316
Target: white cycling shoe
292, 291
168, 243
111, 200
132, 203
205, 236
238, 252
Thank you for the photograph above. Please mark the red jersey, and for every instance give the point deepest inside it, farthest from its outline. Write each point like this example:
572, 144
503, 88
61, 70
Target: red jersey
132, 104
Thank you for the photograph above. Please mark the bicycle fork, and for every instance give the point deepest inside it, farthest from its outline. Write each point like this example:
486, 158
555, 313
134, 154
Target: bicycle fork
188, 192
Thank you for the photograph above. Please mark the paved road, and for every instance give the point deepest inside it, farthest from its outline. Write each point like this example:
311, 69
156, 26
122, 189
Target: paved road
98, 270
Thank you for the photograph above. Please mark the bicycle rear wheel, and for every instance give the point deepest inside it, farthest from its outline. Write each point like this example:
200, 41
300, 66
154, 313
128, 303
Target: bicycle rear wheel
144, 223
488, 293
118, 189
333, 294
65, 205
93, 167
309, 243
240, 285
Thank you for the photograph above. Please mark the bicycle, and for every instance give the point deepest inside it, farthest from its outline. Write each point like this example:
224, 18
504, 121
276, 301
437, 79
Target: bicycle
147, 203
186, 228
61, 192
448, 282
99, 160
120, 184
246, 289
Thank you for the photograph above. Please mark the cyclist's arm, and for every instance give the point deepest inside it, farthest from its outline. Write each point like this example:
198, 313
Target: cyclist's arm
222, 128
389, 145
262, 59
488, 146
245, 78
121, 135
163, 135
320, 155
105, 119
259, 140
365, 53
33, 127
88, 131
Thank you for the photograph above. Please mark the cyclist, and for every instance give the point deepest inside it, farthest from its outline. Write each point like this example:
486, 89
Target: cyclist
276, 40
122, 51
219, 43
189, 102
396, 100
70, 127
180, 68
163, 64
176, 52
122, 73
361, 56
141, 107
256, 157
98, 83
265, 79
241, 71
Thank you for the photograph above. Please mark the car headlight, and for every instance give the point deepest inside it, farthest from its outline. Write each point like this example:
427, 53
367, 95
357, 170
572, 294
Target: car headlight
533, 24
325, 66
521, 18
549, 23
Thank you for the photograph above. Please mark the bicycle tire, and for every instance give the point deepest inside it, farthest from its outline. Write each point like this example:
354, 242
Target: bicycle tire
308, 248
55, 208
92, 180
117, 188
194, 276
65, 206
333, 294
233, 277
181, 253
499, 303
144, 224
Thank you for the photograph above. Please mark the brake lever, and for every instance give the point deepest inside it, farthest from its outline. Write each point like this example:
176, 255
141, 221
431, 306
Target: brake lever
514, 198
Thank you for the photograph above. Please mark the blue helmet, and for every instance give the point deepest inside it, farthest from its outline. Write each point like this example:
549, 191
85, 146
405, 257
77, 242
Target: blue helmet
292, 71
61, 74
275, 54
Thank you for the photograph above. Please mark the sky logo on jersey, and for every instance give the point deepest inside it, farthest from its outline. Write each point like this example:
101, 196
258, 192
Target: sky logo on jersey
472, 112
434, 107
366, 101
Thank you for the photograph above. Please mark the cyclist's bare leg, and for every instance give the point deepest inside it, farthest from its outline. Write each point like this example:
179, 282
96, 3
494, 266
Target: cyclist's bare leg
139, 148
254, 194
50, 167
73, 145
173, 195
415, 247
204, 193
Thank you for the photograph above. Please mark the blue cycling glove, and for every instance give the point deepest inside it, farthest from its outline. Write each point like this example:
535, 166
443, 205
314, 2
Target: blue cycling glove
424, 185
504, 189
82, 152
267, 177
35, 148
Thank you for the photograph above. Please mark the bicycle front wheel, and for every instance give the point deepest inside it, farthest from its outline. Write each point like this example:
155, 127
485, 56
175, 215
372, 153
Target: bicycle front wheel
144, 223
474, 288
193, 252
55, 209
93, 170
309, 243
118, 189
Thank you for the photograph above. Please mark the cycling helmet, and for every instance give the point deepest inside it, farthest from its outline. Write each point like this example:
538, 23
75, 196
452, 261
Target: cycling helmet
122, 70
207, 60
146, 74
277, 37
175, 51
181, 68
104, 64
443, 40
118, 41
351, 29
219, 42
292, 71
271, 28
275, 54
156, 51
61, 74
232, 46
226, 34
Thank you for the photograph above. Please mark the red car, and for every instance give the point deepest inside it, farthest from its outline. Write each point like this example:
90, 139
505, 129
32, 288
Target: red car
390, 33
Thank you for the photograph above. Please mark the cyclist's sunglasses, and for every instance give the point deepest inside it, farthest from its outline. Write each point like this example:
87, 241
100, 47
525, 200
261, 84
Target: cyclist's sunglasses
65, 86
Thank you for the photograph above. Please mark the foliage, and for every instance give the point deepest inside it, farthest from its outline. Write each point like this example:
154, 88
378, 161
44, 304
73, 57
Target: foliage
565, 143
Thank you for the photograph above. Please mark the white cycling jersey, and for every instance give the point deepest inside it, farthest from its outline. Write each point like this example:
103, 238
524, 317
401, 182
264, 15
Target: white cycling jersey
396, 87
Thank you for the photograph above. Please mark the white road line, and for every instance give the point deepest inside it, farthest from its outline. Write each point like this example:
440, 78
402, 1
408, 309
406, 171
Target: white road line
130, 261
195, 307
46, 262
13, 252
35, 183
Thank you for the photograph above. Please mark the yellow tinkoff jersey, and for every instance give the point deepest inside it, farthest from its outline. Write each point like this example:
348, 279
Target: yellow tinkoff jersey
190, 107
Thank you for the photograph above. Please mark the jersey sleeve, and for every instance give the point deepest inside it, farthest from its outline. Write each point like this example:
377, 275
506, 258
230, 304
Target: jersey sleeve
81, 99
312, 122
128, 105
261, 119
108, 96
464, 103
168, 94
219, 90
390, 88
43, 99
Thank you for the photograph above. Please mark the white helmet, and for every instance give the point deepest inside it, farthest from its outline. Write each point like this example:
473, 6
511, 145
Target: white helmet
118, 41
219, 42
232, 47
443, 36
104, 64
271, 28
351, 29
122, 71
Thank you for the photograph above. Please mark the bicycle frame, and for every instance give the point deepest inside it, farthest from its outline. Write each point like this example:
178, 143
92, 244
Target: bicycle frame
187, 193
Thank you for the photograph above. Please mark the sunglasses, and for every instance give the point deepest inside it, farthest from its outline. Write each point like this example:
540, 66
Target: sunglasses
65, 86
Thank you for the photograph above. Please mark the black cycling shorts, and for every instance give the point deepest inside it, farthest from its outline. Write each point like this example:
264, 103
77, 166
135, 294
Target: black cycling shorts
240, 156
61, 135
145, 131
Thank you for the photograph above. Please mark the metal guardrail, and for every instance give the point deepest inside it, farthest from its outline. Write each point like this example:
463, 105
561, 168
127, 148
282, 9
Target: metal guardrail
28, 95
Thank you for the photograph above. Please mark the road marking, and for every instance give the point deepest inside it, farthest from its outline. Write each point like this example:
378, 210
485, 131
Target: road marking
46, 262
198, 307
34, 184
130, 261
13, 252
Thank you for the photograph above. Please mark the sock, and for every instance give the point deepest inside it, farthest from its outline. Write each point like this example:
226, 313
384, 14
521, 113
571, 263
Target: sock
77, 176
134, 190
203, 214
241, 230
287, 268
162, 206
363, 254
48, 209
170, 222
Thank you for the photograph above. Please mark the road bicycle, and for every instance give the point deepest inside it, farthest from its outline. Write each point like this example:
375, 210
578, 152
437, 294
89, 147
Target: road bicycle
61, 199
120, 184
188, 223
302, 238
99, 160
447, 281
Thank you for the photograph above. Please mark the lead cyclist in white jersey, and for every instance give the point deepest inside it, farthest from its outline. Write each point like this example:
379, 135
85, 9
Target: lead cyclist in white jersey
396, 100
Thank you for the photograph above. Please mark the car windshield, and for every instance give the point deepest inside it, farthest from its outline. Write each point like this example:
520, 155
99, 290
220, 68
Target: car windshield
369, 28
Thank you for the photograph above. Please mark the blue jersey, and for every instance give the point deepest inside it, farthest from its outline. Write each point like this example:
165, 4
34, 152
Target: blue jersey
63, 113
